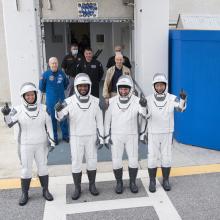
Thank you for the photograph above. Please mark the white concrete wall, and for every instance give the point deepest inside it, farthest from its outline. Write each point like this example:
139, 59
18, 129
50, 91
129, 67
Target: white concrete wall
68, 9
4, 82
151, 41
22, 45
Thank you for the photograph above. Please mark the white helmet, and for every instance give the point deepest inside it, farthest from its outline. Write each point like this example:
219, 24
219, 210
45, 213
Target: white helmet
160, 77
125, 80
82, 78
29, 87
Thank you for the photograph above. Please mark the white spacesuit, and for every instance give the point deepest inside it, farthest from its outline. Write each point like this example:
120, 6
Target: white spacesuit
160, 116
35, 128
86, 131
121, 131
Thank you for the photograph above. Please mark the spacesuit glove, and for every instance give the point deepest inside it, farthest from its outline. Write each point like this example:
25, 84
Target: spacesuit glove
51, 147
99, 143
183, 94
143, 101
143, 138
6, 110
108, 142
59, 106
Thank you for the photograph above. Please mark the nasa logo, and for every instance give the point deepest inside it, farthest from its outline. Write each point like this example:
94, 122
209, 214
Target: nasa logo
51, 78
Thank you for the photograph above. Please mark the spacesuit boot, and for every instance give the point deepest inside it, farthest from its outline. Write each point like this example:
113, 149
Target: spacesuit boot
44, 183
166, 173
133, 175
152, 174
92, 188
25, 184
77, 182
118, 176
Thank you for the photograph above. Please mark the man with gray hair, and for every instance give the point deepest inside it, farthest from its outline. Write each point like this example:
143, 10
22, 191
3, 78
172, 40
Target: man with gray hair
112, 76
54, 82
111, 60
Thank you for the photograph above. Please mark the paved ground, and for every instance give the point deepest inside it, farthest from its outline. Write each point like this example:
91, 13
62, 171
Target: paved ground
192, 197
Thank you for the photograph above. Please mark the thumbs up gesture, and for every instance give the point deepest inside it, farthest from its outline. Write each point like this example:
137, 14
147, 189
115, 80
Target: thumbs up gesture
182, 94
6, 110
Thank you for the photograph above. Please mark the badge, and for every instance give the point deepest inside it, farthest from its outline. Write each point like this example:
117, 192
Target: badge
60, 79
51, 78
93, 66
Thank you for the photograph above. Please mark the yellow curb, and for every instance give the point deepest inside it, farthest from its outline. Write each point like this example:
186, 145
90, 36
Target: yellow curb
176, 171
16, 183
193, 170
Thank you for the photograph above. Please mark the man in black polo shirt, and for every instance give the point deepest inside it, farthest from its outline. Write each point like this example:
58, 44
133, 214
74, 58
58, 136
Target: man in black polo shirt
93, 68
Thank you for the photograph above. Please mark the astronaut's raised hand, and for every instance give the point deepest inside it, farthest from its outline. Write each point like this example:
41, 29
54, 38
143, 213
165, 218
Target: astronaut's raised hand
143, 138
143, 101
6, 110
182, 94
108, 142
59, 106
99, 143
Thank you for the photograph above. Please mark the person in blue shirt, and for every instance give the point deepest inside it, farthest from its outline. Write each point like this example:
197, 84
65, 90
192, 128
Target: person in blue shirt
54, 82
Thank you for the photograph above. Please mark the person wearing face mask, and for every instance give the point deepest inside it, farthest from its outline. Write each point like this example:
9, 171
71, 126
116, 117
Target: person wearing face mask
161, 106
122, 132
54, 82
35, 130
86, 131
69, 66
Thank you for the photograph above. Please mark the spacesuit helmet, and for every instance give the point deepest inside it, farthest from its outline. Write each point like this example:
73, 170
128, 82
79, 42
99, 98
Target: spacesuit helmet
125, 81
160, 78
29, 87
82, 79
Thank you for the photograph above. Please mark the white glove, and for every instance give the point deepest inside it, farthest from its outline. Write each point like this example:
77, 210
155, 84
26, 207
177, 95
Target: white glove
52, 146
143, 138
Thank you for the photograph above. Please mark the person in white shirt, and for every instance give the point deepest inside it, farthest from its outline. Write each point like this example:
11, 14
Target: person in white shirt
35, 129
161, 106
86, 130
121, 130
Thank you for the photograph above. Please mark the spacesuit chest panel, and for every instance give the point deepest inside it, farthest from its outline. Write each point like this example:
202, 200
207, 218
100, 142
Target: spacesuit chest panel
82, 118
162, 117
124, 120
32, 127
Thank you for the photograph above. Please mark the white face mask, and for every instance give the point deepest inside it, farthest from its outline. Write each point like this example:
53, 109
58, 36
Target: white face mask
74, 52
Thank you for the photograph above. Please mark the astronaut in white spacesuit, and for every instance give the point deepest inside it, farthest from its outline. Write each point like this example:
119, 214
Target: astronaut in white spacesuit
86, 130
35, 129
161, 106
122, 131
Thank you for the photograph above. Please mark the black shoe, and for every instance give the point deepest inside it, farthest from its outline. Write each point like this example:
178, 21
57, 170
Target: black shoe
44, 183
66, 139
133, 175
92, 188
152, 174
118, 176
25, 184
77, 182
166, 174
